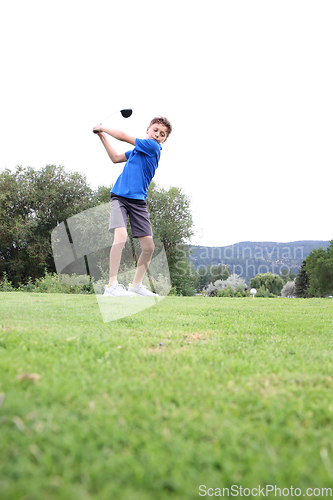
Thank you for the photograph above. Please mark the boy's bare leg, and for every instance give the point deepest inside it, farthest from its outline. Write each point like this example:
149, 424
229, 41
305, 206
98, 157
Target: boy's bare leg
147, 247
120, 237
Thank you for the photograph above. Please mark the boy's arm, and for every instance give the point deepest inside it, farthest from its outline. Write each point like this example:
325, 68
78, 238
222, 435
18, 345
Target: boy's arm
116, 134
114, 156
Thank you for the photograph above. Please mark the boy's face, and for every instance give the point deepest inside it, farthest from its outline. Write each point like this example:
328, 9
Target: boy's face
158, 132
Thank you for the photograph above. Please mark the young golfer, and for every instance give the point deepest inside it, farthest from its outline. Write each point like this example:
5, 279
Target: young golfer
128, 200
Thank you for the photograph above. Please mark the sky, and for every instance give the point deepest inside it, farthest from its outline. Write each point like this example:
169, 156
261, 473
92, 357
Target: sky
247, 86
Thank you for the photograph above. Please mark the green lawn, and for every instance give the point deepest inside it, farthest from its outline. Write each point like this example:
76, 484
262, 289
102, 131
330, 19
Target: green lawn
192, 391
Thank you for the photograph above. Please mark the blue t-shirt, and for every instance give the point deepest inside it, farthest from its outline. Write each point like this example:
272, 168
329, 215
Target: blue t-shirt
139, 170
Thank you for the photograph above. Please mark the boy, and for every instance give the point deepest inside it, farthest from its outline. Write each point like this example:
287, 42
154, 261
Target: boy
128, 199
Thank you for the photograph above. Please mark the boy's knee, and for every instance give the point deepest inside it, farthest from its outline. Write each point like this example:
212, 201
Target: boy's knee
148, 246
151, 248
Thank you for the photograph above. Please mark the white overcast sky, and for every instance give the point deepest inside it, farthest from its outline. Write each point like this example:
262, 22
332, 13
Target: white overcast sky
247, 86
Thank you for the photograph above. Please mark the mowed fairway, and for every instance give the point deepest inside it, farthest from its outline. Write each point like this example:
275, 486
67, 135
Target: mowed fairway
192, 391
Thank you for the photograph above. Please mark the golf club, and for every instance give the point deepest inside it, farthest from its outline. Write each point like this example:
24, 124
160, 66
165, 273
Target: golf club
126, 113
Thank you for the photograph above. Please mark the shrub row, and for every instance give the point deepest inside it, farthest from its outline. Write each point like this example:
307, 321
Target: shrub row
51, 283
80, 284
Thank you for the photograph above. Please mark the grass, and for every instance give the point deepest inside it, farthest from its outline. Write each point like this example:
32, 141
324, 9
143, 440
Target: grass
193, 391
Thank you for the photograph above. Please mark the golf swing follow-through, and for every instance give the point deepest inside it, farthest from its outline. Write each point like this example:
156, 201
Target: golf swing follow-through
128, 199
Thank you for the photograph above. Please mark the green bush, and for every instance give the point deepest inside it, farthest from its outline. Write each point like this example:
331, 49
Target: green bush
229, 292
51, 283
263, 293
27, 287
5, 284
269, 282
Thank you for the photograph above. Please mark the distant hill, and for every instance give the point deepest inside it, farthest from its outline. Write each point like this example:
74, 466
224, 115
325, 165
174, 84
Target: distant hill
249, 258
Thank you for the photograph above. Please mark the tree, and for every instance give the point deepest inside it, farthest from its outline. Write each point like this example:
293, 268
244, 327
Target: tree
319, 269
102, 195
271, 282
170, 216
302, 282
172, 224
32, 203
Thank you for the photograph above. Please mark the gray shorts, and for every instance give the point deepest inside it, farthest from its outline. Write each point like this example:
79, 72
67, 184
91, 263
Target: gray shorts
136, 211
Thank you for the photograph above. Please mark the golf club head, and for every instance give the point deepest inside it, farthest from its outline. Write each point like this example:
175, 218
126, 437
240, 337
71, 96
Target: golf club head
126, 113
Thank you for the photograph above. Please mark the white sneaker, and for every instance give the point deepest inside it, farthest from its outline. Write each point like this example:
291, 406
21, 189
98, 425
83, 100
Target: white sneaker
116, 290
141, 290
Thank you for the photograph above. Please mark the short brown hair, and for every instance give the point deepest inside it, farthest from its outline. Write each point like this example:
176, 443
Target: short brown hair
162, 121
